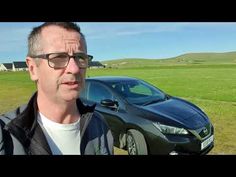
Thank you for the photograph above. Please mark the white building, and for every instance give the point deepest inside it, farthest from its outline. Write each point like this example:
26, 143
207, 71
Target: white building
6, 67
19, 66
15, 66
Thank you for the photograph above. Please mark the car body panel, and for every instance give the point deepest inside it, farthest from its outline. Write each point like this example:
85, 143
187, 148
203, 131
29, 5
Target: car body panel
176, 110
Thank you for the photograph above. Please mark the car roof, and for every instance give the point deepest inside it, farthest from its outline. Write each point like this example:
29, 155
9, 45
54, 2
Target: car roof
111, 78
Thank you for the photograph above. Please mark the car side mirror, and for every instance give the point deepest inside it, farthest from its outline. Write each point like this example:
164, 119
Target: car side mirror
109, 103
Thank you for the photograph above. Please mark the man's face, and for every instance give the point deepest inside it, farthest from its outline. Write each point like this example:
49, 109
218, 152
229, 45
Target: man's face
60, 84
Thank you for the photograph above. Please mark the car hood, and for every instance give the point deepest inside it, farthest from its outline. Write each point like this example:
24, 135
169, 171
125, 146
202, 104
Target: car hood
178, 111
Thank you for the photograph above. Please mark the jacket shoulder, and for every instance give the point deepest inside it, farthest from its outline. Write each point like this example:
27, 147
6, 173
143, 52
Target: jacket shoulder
6, 146
7, 117
4, 135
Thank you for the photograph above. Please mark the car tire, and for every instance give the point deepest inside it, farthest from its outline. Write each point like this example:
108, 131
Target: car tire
136, 144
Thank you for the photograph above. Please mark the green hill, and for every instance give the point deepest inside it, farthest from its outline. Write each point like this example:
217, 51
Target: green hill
185, 59
195, 58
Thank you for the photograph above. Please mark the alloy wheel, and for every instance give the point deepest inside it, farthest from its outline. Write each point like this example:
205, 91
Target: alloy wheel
131, 145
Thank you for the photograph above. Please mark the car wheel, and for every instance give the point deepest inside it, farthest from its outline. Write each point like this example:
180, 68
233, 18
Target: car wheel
136, 144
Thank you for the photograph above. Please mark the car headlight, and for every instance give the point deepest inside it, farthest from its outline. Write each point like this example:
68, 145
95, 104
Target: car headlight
166, 129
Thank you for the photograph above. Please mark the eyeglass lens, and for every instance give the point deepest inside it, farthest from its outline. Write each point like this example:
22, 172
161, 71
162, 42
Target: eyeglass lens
62, 60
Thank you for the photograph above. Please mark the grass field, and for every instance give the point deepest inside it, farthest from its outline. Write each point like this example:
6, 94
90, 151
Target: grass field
211, 87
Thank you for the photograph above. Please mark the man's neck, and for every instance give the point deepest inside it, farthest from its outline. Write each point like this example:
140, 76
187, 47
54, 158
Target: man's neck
58, 111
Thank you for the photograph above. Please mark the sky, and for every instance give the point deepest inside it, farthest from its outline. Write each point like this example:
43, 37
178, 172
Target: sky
118, 40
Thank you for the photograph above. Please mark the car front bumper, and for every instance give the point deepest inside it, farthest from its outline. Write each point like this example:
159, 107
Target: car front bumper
178, 144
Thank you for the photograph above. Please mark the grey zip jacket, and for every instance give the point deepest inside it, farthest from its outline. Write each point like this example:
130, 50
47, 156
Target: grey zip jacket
20, 133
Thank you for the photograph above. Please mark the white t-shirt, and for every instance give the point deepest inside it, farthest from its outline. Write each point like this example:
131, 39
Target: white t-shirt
63, 139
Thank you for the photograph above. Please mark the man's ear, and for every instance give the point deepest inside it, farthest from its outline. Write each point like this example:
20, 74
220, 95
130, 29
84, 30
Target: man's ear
33, 68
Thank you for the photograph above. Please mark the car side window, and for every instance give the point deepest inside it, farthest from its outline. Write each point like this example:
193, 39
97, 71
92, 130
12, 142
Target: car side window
141, 90
98, 92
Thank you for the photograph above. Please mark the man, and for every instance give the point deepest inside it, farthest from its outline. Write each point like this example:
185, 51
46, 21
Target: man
55, 121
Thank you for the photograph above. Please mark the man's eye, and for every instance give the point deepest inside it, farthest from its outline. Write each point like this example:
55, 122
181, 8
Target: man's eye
80, 56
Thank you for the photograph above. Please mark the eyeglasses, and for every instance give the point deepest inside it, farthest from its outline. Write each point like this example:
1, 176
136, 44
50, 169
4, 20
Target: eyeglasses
61, 60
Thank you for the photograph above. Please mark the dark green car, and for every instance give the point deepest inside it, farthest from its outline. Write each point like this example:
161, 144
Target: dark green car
145, 120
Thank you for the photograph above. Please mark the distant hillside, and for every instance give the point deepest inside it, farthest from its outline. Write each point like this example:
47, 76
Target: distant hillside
228, 57
185, 59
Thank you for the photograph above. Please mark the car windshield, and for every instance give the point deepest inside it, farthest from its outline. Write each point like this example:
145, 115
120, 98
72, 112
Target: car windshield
138, 92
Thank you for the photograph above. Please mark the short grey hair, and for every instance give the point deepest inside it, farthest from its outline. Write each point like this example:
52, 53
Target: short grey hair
34, 38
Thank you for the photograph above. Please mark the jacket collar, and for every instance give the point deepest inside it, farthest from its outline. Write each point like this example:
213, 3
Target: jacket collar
27, 130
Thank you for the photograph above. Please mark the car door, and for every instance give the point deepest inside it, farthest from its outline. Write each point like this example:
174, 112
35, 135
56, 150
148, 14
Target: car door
96, 92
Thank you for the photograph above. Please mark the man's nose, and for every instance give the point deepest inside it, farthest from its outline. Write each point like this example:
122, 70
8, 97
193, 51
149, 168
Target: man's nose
72, 66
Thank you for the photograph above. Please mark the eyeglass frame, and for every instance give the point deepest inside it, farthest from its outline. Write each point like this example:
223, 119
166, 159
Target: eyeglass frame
46, 57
